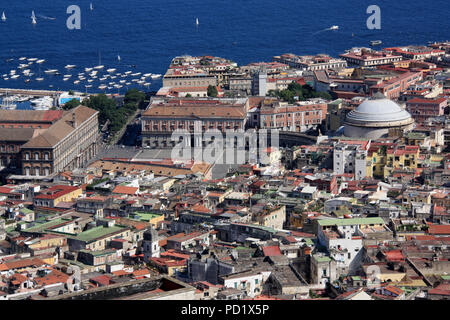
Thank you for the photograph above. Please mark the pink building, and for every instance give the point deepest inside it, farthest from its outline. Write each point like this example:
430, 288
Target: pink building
422, 109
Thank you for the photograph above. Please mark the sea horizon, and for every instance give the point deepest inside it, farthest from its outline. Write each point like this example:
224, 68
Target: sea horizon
148, 34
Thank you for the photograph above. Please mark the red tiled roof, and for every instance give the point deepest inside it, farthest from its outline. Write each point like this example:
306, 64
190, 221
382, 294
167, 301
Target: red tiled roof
394, 255
22, 263
125, 190
119, 273
200, 208
55, 276
271, 251
55, 192
439, 229
172, 253
5, 190
141, 272
442, 289
103, 280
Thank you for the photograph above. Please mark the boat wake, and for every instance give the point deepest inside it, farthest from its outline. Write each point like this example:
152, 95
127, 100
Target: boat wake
324, 30
45, 17
321, 31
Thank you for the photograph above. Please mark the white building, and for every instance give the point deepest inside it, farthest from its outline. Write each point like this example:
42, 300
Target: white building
351, 157
150, 244
250, 281
343, 239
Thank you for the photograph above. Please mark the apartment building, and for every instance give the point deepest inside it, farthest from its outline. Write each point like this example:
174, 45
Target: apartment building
422, 109
298, 117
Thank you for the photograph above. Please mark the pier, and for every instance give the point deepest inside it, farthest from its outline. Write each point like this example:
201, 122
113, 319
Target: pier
26, 92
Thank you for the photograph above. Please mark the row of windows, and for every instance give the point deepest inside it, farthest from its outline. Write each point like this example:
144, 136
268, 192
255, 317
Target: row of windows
298, 114
10, 148
37, 171
36, 156
19, 126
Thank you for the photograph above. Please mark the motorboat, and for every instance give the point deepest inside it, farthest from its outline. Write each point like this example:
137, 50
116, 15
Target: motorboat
375, 42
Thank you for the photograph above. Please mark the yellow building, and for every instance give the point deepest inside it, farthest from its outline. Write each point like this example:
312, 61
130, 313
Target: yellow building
272, 218
48, 241
417, 196
376, 160
383, 158
401, 157
52, 196
152, 218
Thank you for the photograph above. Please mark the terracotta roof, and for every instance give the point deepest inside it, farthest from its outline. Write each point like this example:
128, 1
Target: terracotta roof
55, 192
156, 169
5, 190
442, 289
394, 255
61, 128
119, 273
17, 134
103, 280
21, 263
55, 276
271, 251
48, 116
394, 290
439, 229
141, 272
195, 111
426, 101
125, 190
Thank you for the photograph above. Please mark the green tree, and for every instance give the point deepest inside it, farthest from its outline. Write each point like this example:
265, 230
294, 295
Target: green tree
108, 110
212, 91
71, 104
297, 91
134, 96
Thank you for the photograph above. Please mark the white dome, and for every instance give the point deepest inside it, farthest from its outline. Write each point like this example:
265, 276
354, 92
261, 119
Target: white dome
378, 110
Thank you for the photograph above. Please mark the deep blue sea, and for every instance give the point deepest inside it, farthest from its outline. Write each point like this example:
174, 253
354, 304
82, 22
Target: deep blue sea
147, 34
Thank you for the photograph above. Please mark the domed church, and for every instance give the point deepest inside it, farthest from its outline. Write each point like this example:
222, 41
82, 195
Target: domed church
373, 119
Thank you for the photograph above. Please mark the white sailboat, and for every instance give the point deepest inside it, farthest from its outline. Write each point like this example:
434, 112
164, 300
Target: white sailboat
196, 21
91, 6
100, 66
118, 57
3, 16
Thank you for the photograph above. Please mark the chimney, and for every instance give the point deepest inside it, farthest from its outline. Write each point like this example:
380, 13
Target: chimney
74, 120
